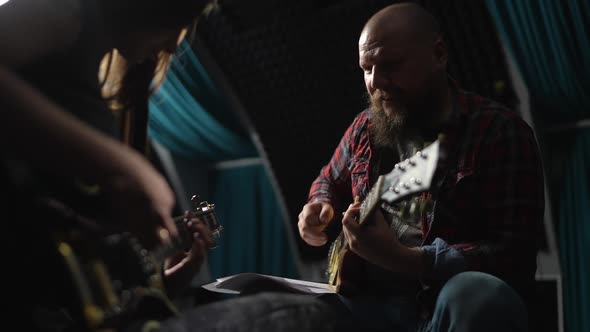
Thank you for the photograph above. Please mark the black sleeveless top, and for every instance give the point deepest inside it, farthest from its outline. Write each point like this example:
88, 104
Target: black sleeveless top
70, 79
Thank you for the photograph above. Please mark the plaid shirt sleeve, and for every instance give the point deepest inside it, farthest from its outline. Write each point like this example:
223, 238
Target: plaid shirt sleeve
510, 185
333, 184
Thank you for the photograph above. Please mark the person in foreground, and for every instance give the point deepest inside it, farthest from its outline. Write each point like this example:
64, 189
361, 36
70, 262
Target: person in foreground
62, 130
468, 263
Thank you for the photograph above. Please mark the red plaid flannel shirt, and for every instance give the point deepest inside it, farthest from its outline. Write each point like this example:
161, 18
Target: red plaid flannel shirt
490, 206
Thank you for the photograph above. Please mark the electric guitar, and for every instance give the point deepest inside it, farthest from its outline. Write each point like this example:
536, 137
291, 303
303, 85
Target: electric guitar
116, 280
411, 176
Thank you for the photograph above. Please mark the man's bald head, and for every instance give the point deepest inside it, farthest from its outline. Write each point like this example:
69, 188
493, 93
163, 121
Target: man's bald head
402, 21
404, 63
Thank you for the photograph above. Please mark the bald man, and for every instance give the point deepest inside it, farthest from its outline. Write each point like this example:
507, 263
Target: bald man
467, 265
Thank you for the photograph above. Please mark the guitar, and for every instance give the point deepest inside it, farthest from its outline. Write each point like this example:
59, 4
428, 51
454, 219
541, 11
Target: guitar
116, 281
411, 176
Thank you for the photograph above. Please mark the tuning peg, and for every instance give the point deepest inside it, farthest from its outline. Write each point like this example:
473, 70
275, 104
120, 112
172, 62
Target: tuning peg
196, 200
421, 154
415, 181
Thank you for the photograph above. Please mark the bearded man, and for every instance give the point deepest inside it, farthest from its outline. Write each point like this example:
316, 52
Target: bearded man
469, 263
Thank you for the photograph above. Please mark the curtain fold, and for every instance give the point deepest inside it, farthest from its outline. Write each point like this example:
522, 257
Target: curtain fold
182, 120
180, 117
574, 214
549, 42
259, 243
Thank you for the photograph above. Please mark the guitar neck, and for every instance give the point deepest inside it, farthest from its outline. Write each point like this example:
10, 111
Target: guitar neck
371, 201
185, 240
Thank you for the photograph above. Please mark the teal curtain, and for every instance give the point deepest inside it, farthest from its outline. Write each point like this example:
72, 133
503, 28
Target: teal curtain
550, 44
574, 214
549, 41
180, 114
181, 119
252, 245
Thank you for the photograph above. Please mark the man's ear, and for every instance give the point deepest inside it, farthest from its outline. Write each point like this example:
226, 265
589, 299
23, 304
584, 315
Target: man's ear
440, 52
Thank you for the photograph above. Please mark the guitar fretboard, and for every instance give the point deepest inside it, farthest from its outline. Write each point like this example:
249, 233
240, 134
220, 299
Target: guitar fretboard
206, 214
371, 201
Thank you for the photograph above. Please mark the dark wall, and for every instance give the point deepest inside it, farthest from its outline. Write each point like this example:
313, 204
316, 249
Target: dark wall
294, 67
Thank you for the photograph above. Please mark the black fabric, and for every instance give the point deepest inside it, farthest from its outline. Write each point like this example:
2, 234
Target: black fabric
40, 286
269, 311
70, 78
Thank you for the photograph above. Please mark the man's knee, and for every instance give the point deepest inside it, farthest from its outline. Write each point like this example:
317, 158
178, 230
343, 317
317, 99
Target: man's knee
478, 287
475, 299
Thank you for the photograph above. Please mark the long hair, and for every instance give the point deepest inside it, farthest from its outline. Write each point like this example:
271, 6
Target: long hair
127, 89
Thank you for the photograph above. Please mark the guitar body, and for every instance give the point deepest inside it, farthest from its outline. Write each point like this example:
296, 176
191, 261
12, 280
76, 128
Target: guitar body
346, 270
111, 280
352, 274
114, 280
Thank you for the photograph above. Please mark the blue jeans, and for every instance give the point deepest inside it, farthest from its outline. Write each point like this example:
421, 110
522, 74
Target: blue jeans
470, 301
475, 301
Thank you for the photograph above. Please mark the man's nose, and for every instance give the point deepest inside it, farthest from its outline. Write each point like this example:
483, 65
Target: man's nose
380, 79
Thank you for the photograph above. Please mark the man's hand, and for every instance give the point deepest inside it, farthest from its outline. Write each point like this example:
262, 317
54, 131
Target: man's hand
180, 269
313, 219
377, 243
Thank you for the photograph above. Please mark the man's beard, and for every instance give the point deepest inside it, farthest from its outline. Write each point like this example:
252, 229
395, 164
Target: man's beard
386, 128
405, 117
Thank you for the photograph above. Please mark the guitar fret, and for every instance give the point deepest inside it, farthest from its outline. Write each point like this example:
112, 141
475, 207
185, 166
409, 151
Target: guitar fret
371, 200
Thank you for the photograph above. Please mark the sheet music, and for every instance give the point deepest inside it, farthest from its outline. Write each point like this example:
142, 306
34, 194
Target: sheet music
236, 283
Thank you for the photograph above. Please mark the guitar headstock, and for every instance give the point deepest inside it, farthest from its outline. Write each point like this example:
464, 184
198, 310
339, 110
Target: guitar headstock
411, 176
205, 212
408, 177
